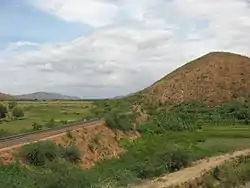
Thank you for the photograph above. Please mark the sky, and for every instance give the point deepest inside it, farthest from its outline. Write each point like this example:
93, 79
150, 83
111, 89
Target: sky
107, 48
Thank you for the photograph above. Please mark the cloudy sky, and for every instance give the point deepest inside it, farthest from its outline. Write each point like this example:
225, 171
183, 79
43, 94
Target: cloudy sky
104, 48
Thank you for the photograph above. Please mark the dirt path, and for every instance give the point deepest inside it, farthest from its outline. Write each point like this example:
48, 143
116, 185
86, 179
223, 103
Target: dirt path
191, 174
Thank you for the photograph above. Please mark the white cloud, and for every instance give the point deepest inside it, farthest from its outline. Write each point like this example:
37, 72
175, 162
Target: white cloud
126, 56
20, 44
93, 12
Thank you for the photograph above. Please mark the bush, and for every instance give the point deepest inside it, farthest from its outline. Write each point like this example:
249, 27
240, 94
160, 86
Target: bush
177, 159
119, 121
3, 111
38, 154
64, 122
71, 154
51, 123
36, 127
17, 112
69, 134
12, 104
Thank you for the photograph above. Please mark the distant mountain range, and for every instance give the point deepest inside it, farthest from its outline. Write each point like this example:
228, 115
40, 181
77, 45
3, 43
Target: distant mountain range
46, 96
38, 96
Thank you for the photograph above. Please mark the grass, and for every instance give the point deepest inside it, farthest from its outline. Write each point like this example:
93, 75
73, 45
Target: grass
145, 158
171, 139
232, 174
42, 112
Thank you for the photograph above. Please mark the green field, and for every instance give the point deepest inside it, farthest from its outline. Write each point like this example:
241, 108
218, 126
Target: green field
172, 138
42, 112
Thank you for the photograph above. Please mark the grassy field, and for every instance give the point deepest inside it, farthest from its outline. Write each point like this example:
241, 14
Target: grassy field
147, 157
42, 112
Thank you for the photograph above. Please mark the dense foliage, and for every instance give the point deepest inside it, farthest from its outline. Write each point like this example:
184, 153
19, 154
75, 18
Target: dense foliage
17, 112
42, 153
3, 111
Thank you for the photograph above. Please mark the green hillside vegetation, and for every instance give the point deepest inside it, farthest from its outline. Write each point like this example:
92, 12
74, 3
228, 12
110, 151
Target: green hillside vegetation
173, 137
43, 114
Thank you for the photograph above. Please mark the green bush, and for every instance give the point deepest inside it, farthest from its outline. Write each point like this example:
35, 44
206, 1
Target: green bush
17, 112
36, 127
38, 154
51, 123
176, 159
12, 104
71, 154
3, 111
119, 121
64, 122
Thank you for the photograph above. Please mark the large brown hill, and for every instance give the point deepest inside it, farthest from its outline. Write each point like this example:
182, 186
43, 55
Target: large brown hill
4, 96
213, 78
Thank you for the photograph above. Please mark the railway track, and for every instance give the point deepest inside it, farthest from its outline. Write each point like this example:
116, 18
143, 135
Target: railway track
17, 139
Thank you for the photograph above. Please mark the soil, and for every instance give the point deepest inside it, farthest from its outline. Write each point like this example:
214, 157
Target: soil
214, 78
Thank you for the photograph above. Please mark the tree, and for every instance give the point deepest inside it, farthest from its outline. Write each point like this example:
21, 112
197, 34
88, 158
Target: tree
12, 104
3, 111
17, 112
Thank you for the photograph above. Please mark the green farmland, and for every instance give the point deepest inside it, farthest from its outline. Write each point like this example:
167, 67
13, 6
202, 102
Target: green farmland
43, 112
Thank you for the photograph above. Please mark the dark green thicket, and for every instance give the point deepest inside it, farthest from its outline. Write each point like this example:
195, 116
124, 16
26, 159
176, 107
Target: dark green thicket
42, 153
12, 104
3, 111
119, 121
36, 127
194, 115
17, 112
39, 153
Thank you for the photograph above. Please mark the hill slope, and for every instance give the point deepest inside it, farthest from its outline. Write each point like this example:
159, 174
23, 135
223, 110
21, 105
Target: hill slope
46, 96
4, 96
213, 78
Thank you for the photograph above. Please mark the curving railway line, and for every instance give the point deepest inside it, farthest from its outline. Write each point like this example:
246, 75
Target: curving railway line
19, 139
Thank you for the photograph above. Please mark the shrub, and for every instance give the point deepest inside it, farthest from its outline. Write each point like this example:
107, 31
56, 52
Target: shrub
36, 127
51, 123
3, 111
17, 112
12, 104
69, 134
64, 122
177, 159
119, 121
216, 173
71, 154
38, 154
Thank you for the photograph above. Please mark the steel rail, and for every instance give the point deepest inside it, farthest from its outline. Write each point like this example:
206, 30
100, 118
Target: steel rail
38, 135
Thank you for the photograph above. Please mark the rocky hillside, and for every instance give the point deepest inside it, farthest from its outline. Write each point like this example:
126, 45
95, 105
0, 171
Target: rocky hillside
213, 78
